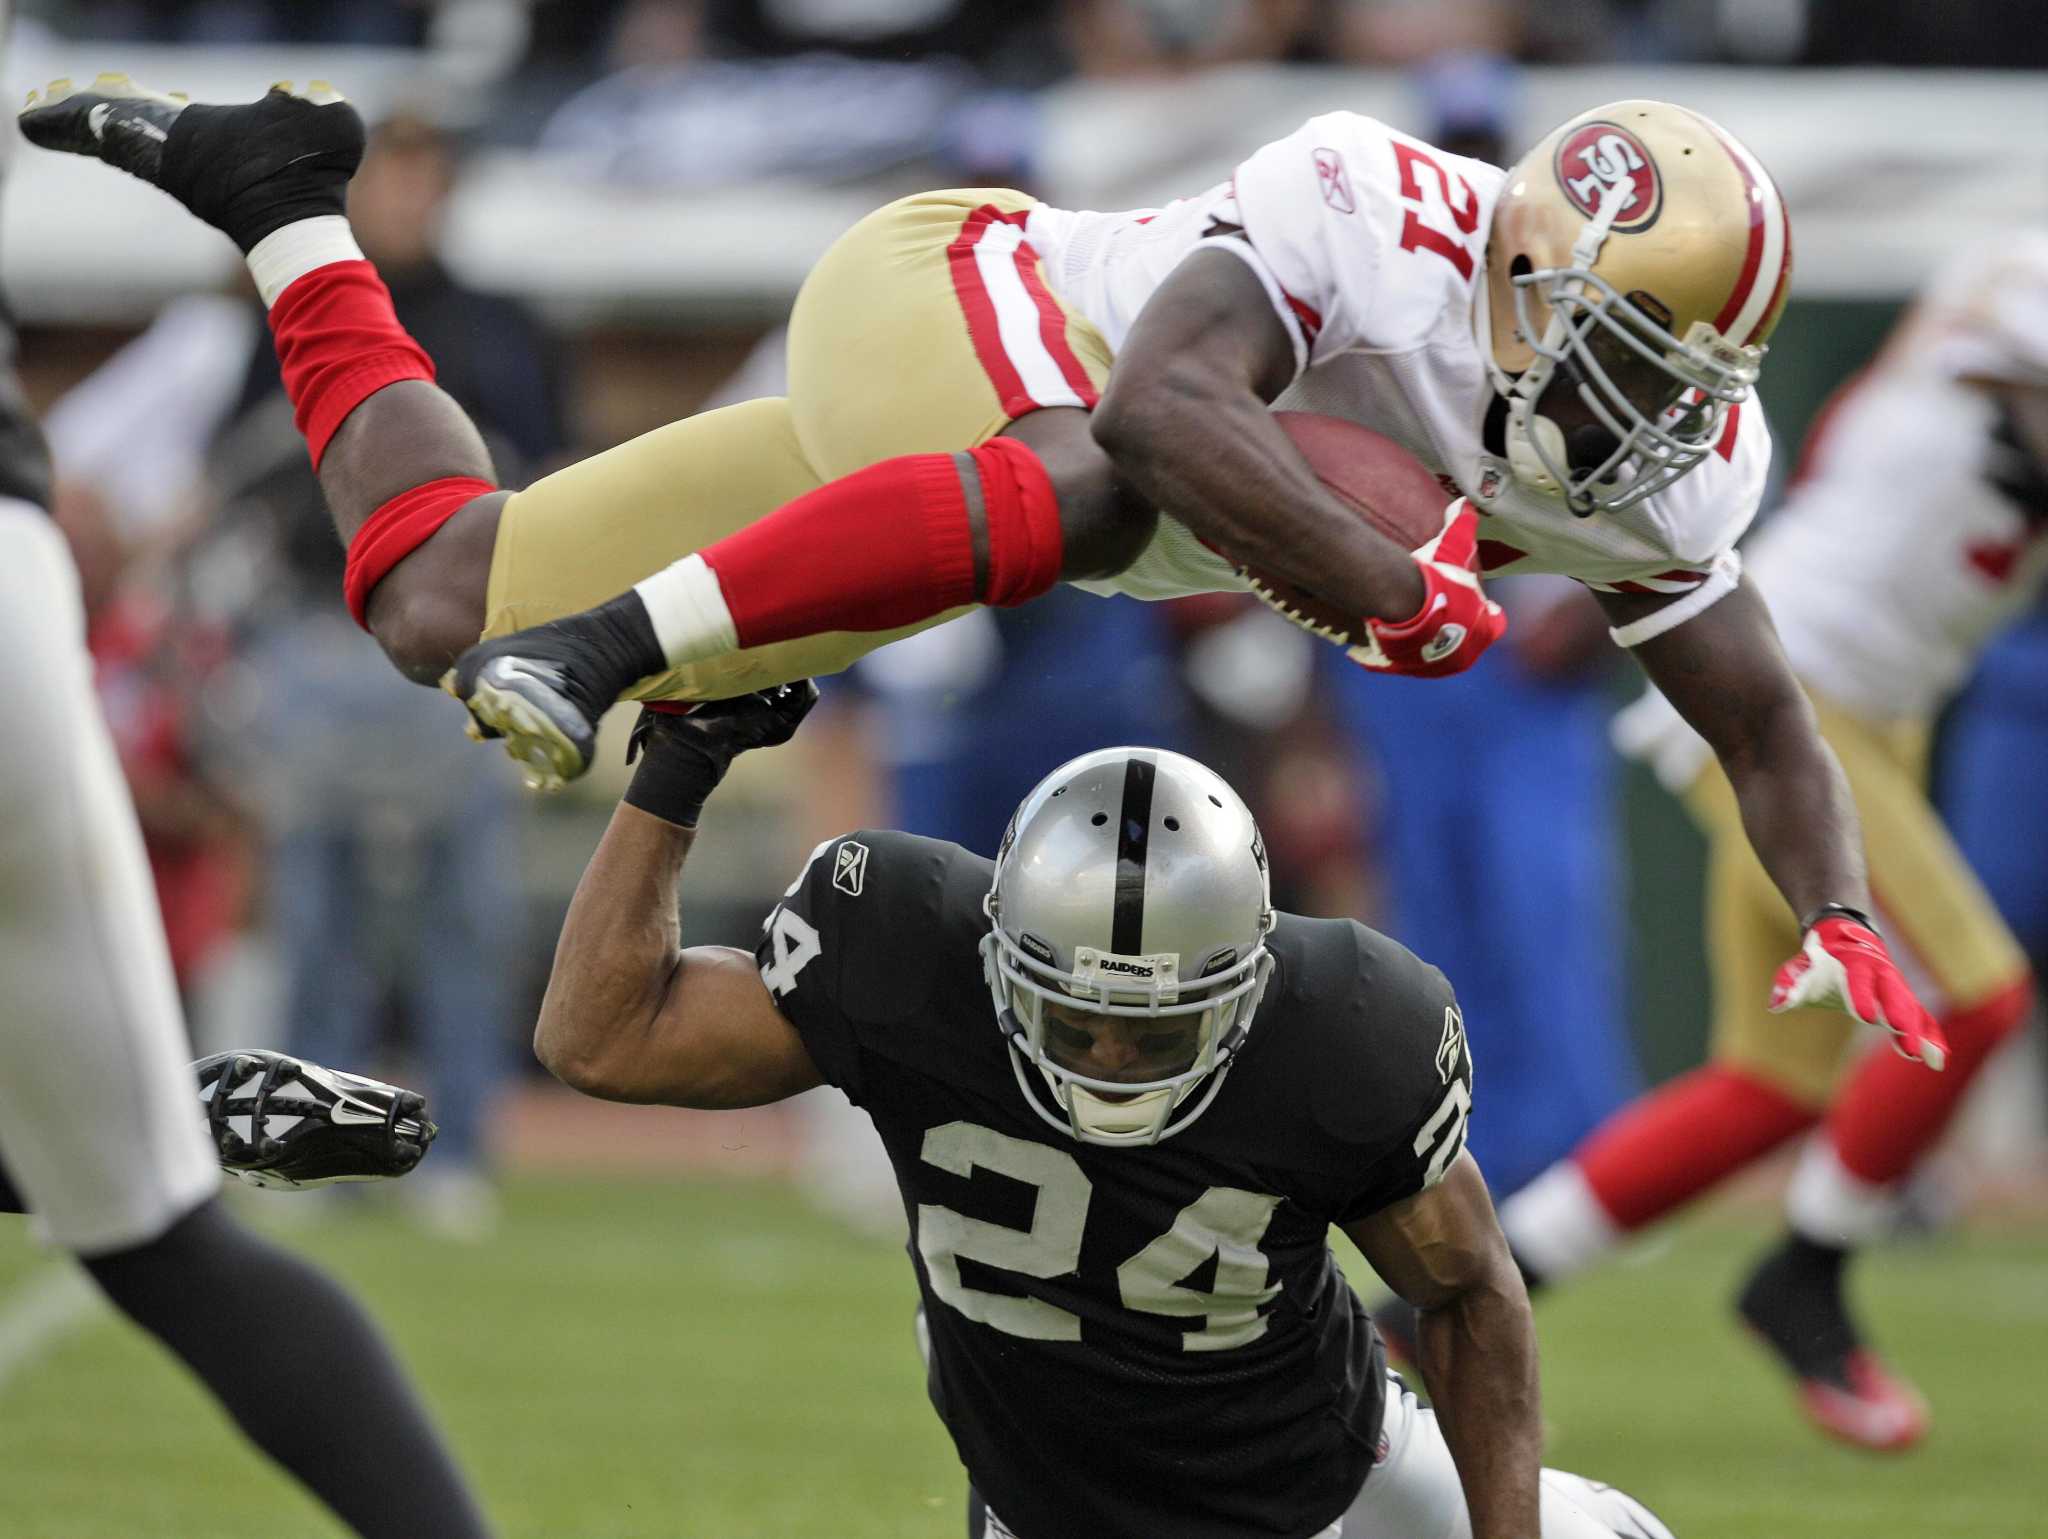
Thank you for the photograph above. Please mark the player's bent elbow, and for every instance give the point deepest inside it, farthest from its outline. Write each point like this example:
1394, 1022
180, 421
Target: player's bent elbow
577, 1064
1124, 423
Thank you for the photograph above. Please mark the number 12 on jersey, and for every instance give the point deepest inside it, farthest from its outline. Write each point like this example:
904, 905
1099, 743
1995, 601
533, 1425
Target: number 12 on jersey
1438, 222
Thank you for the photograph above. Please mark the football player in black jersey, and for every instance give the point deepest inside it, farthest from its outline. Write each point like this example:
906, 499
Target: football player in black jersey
1125, 1101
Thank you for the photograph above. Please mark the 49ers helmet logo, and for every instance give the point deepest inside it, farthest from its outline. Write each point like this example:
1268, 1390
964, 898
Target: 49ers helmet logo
1596, 156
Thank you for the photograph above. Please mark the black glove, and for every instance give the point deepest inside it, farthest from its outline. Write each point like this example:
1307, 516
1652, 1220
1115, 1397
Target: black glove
284, 1123
683, 755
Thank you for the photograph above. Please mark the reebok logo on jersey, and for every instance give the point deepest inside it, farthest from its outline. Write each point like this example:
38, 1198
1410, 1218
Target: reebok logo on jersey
850, 867
1451, 1048
1335, 184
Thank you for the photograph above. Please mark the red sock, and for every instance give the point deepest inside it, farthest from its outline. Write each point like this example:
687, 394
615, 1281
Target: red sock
891, 545
338, 343
1892, 1110
1665, 1148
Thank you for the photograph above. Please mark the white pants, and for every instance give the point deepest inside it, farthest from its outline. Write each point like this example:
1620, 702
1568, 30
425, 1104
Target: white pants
100, 1126
1413, 1492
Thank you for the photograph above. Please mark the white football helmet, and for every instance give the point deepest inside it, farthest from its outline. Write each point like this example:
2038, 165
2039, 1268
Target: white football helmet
1645, 253
1127, 949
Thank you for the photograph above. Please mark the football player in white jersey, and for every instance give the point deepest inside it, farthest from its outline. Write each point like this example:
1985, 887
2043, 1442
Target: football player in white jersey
989, 395
1918, 524
101, 1137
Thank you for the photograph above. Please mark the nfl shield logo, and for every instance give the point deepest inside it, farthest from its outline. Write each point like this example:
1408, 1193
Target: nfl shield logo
850, 867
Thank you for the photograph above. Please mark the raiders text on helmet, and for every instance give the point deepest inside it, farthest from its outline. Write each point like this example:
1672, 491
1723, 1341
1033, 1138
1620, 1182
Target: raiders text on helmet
1130, 907
1645, 253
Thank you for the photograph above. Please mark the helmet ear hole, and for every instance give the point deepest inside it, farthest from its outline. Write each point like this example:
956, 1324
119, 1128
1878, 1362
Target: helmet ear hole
1520, 267
1173, 825
1099, 819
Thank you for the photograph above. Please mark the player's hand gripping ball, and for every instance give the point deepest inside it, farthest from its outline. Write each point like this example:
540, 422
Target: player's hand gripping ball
1389, 489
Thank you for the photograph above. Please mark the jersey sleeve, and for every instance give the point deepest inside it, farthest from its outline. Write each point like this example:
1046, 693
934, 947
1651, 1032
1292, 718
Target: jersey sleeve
1423, 1067
1352, 260
1705, 513
835, 951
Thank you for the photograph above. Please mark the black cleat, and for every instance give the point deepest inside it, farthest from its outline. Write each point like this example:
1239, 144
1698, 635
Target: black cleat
1794, 1306
246, 169
543, 689
517, 691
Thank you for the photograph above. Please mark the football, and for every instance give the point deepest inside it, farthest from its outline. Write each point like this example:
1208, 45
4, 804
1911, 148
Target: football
1377, 479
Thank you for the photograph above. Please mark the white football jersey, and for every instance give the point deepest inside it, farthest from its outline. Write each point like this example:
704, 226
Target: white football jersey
1915, 528
1369, 244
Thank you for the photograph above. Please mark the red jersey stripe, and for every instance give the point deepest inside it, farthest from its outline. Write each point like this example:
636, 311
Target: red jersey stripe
979, 307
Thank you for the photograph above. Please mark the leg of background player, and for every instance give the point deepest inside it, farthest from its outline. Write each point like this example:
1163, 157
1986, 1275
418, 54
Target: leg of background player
1414, 1490
1841, 1199
300, 1368
99, 1128
1642, 1164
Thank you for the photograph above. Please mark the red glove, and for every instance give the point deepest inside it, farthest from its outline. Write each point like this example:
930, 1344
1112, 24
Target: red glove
1842, 964
1456, 622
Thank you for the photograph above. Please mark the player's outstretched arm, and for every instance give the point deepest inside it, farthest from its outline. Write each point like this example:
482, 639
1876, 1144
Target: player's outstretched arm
630, 1015
1443, 1251
1184, 418
1727, 676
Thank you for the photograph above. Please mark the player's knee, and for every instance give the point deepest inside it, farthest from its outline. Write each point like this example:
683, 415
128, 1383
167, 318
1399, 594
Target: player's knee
429, 607
422, 630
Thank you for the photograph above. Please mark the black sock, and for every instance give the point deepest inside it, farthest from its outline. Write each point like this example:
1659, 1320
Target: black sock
615, 646
301, 1369
1794, 1300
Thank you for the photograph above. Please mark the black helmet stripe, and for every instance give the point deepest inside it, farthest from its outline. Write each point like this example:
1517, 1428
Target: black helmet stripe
1133, 833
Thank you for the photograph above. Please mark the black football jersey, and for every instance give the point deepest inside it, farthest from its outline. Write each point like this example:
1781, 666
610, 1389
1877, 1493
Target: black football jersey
1130, 1342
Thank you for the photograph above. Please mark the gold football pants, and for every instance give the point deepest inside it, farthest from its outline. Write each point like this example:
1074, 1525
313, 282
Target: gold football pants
1937, 920
927, 327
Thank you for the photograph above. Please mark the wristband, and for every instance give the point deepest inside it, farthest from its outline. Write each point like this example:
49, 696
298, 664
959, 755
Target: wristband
674, 777
1837, 911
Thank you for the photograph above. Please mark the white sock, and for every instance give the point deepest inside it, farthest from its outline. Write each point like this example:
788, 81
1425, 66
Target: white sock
1828, 1202
291, 251
1556, 1225
687, 607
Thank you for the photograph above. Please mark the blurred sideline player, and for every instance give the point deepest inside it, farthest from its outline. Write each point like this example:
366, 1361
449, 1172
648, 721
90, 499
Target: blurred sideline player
1918, 525
1120, 1188
100, 1136
989, 395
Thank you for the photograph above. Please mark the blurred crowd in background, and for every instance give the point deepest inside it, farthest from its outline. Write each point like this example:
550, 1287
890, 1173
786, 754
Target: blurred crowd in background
345, 875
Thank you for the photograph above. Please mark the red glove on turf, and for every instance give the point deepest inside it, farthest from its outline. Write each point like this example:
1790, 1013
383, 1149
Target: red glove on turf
1456, 622
1843, 965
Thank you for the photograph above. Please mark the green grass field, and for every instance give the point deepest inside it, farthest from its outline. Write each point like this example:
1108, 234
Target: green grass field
699, 1361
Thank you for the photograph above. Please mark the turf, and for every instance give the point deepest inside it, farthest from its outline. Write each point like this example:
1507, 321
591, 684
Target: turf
712, 1362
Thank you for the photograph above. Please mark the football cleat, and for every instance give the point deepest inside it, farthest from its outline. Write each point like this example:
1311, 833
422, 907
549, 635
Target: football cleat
548, 724
543, 689
246, 169
287, 1124
1845, 1388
